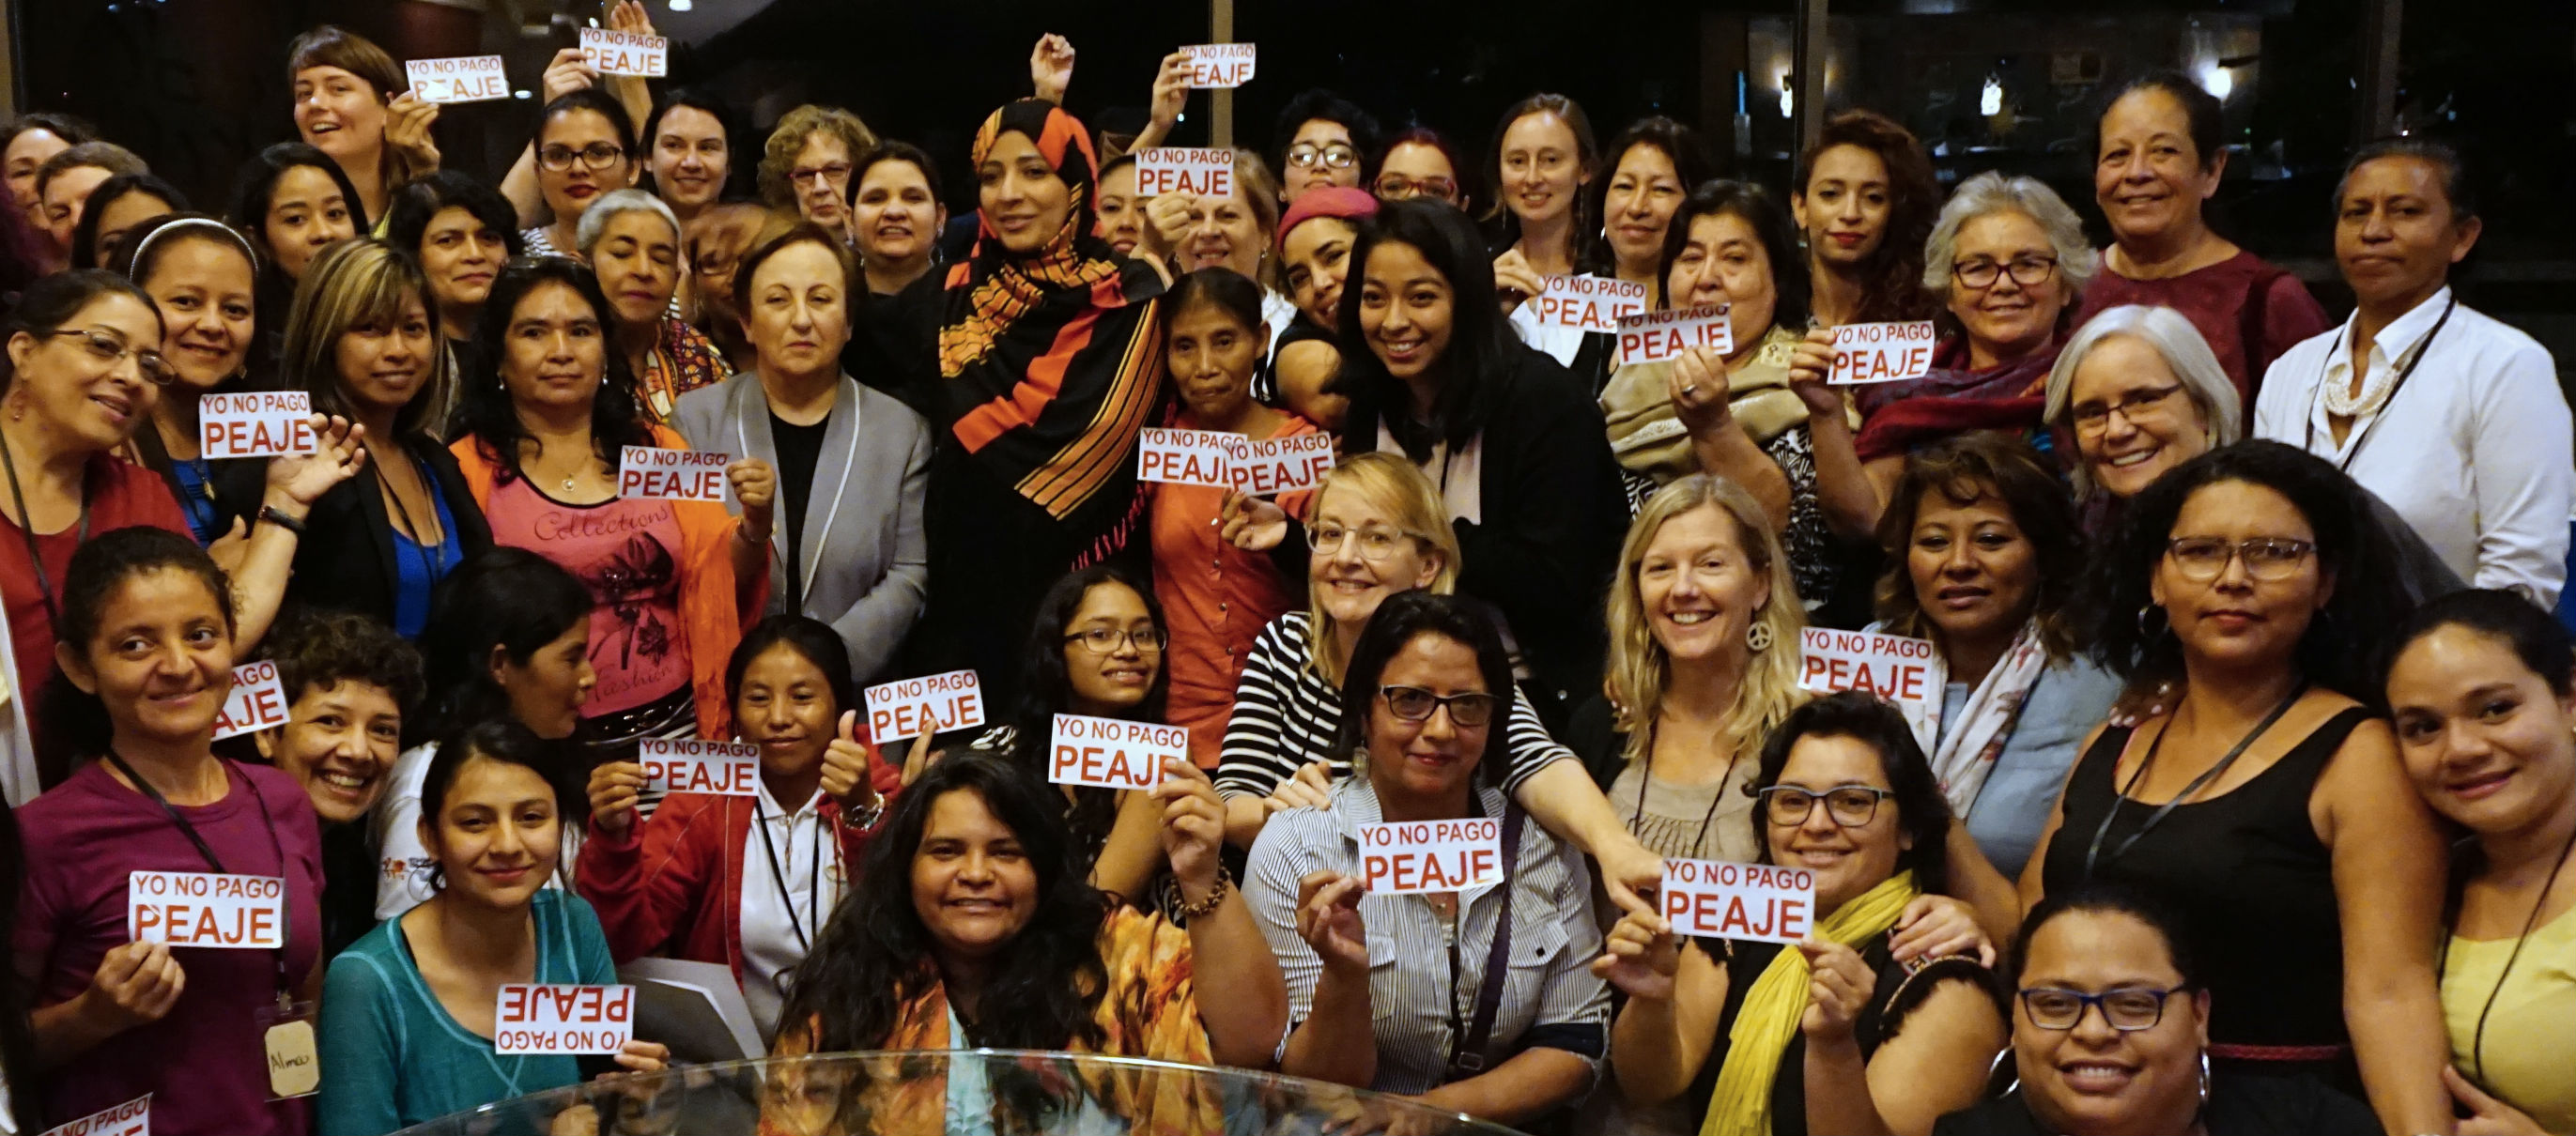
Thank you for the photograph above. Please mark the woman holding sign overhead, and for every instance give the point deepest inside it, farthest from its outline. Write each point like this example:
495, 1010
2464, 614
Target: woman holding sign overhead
147, 646
1379, 966
1761, 1033
676, 581
412, 1009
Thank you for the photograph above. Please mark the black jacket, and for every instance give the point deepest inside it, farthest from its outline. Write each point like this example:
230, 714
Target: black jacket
345, 561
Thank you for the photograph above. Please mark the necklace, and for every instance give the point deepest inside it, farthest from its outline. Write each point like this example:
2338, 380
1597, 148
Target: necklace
1646, 780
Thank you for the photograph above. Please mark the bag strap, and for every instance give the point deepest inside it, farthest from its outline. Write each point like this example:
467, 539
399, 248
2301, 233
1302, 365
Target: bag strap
1468, 1058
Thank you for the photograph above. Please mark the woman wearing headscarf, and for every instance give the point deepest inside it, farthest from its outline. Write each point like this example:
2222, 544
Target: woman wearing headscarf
1036, 362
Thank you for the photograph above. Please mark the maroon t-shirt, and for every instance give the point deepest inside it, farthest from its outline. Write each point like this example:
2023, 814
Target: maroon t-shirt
120, 494
2249, 309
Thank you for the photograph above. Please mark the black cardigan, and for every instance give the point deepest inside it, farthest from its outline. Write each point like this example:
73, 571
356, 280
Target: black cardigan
345, 560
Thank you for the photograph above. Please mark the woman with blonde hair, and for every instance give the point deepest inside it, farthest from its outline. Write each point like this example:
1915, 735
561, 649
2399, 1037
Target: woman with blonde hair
806, 164
1238, 231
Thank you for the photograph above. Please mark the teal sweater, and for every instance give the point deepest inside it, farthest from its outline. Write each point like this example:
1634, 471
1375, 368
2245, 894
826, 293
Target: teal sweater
392, 1056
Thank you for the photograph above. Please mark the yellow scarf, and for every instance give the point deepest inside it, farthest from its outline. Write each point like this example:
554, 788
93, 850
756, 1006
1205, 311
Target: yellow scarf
1768, 1019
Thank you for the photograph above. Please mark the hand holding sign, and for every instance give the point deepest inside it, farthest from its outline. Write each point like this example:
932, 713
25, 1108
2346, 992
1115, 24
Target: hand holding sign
1515, 282
1640, 956
1218, 66
1328, 918
755, 484
407, 122
568, 72
1882, 352
1810, 364
616, 790
256, 701
1193, 826
845, 766
135, 985
1252, 524
1702, 396
455, 79
1937, 926
1839, 987
1171, 91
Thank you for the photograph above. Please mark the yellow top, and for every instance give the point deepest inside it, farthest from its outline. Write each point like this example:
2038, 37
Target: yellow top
2532, 1028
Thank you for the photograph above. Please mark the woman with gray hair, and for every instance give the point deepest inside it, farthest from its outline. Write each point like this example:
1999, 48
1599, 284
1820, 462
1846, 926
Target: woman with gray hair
631, 241
2008, 261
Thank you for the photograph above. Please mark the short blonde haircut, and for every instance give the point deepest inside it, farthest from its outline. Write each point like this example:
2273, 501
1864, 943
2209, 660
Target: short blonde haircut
2180, 344
1396, 488
778, 155
1639, 669
1992, 192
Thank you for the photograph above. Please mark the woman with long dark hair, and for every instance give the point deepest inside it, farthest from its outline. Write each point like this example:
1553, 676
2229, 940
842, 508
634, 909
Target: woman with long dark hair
292, 201
1866, 200
114, 209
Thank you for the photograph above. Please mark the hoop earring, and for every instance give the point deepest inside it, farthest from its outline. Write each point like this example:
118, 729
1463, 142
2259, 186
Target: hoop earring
1995, 1070
1758, 636
2146, 610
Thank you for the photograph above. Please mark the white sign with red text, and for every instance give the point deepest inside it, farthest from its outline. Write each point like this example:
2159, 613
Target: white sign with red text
1283, 465
206, 909
255, 424
133, 1118
1719, 900
1656, 337
257, 702
672, 475
1907, 672
931, 704
1414, 857
1588, 303
458, 79
626, 53
1881, 352
1112, 753
1218, 66
1186, 457
725, 769
563, 1019
1196, 171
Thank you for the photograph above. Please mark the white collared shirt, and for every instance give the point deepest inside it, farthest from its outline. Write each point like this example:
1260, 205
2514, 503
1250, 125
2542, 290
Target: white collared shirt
778, 928
2476, 453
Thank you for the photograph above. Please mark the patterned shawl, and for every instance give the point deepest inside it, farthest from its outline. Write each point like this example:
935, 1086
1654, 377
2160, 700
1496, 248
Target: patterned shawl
1953, 399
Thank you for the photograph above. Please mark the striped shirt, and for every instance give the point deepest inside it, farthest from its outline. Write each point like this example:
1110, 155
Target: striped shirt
1285, 716
1423, 975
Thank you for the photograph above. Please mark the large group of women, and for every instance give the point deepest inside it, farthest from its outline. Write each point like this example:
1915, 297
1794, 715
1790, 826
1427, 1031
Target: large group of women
2150, 497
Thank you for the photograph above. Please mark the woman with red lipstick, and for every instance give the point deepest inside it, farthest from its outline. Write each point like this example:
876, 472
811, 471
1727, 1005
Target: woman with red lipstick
632, 243
147, 645
2160, 152
1866, 201
585, 147
2485, 712
352, 103
896, 215
2255, 580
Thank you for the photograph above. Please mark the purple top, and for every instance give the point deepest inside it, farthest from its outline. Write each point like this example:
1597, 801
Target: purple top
2249, 310
206, 1062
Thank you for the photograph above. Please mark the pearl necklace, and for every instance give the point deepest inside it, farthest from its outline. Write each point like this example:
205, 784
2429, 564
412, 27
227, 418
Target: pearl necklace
2376, 385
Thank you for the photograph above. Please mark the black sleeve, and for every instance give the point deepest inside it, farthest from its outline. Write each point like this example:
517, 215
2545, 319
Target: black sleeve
1593, 738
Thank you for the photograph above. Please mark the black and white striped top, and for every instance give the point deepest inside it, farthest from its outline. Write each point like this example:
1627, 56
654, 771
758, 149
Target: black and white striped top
1285, 716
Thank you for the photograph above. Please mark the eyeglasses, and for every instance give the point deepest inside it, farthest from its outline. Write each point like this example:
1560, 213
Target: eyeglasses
110, 350
1111, 640
833, 172
2027, 271
2127, 1010
1849, 806
596, 156
1377, 546
1335, 155
2203, 558
1397, 187
2095, 417
1414, 704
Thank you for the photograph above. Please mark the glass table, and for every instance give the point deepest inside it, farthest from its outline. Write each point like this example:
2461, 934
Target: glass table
953, 1093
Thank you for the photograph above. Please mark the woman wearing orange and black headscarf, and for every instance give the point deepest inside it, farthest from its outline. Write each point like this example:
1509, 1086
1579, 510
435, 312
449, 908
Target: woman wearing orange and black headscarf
1036, 361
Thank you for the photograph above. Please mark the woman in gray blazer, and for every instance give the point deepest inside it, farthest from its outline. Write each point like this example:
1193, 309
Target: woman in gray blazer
852, 462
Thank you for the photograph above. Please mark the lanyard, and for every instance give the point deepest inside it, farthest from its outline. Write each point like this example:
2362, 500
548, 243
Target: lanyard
286, 912
27, 532
2093, 855
813, 883
2422, 347
1646, 780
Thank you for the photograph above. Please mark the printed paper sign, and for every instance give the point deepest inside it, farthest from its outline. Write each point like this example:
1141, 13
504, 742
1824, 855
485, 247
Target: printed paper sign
1431, 855
458, 79
1588, 303
1197, 171
1654, 337
626, 53
1719, 900
911, 707
1881, 352
133, 1118
1111, 753
255, 424
206, 909
726, 769
672, 475
1907, 672
1283, 465
257, 702
1216, 66
561, 1019
1187, 457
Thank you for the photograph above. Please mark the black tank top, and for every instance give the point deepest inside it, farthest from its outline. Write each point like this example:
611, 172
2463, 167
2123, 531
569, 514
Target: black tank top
2247, 873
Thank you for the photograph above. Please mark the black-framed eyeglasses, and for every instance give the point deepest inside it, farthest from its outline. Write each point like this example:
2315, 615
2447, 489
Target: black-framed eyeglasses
110, 350
1849, 806
1414, 704
596, 156
1111, 640
2095, 417
2204, 558
2127, 1010
1334, 155
2027, 271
